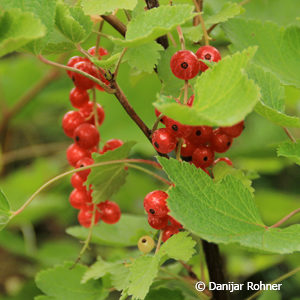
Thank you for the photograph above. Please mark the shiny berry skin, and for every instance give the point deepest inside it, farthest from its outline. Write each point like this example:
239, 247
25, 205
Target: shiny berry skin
187, 149
220, 142
200, 135
85, 217
86, 136
70, 121
146, 244
72, 61
235, 130
157, 222
184, 64
79, 199
191, 101
179, 130
101, 51
88, 109
81, 81
109, 211
75, 153
112, 145
225, 159
203, 157
155, 203
86, 161
78, 98
163, 140
208, 53
77, 182
174, 223
168, 232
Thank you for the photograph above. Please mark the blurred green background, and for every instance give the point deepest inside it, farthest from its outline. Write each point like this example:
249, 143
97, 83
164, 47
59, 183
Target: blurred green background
33, 150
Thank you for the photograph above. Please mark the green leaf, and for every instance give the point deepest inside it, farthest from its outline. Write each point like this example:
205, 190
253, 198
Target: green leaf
117, 270
222, 169
108, 179
60, 282
101, 7
271, 105
43, 10
72, 23
278, 48
163, 294
125, 233
18, 29
142, 273
223, 94
228, 11
154, 23
144, 57
290, 150
179, 247
224, 211
5, 212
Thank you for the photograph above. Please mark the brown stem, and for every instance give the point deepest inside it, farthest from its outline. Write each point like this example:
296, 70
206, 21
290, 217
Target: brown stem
115, 23
119, 63
189, 270
211, 28
285, 218
289, 134
198, 5
215, 268
163, 40
181, 38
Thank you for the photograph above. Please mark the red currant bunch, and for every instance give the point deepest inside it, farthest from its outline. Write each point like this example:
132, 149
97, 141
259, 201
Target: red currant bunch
156, 207
82, 126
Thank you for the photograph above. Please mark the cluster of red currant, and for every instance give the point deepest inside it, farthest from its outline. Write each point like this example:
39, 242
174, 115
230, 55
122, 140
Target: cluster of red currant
199, 143
156, 206
81, 126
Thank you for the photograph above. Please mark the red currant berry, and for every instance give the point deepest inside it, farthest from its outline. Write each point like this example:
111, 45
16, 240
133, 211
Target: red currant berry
235, 130
187, 149
85, 217
101, 51
184, 64
77, 182
178, 130
75, 153
174, 223
157, 222
81, 81
208, 53
168, 232
163, 140
86, 161
155, 203
78, 98
112, 145
86, 136
88, 110
203, 156
101, 76
72, 61
71, 121
191, 101
220, 142
200, 135
225, 159
79, 199
158, 113
110, 212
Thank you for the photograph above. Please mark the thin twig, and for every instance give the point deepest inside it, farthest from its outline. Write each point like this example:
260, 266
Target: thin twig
115, 23
189, 269
205, 34
127, 14
98, 39
119, 63
279, 279
186, 89
178, 150
158, 242
155, 125
181, 37
285, 218
52, 63
170, 36
49, 182
289, 134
